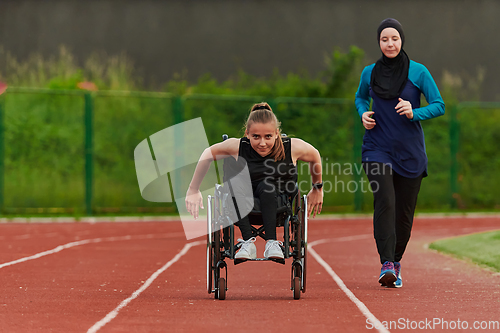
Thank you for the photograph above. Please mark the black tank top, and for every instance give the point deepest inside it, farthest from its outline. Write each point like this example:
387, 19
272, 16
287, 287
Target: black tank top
282, 173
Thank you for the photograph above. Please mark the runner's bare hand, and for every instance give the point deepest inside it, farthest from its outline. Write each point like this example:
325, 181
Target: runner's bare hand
404, 107
368, 121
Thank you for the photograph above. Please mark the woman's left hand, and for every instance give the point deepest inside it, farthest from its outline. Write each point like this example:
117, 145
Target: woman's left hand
404, 107
314, 201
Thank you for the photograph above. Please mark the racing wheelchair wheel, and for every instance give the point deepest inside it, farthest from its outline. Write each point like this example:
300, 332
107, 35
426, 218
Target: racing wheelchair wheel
214, 257
299, 234
216, 248
209, 244
221, 292
304, 242
296, 287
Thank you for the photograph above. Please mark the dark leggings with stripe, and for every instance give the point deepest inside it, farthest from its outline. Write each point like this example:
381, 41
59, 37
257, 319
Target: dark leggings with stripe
395, 199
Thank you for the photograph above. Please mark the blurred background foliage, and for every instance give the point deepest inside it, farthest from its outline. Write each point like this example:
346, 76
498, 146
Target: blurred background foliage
44, 134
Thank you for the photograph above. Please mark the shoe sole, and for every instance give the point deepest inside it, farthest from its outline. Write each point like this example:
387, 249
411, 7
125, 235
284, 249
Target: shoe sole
387, 280
395, 284
277, 256
245, 257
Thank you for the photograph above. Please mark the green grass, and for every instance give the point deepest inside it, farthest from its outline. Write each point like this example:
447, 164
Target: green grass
482, 248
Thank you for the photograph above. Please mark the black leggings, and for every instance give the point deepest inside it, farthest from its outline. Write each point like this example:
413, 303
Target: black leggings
395, 199
268, 197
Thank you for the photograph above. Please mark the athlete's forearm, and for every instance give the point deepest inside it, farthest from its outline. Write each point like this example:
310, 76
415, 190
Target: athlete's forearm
201, 170
315, 168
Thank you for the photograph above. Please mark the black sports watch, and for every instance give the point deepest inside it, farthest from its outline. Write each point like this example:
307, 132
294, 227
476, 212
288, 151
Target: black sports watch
318, 186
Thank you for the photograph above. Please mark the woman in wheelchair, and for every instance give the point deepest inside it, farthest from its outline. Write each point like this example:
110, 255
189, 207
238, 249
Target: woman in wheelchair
271, 161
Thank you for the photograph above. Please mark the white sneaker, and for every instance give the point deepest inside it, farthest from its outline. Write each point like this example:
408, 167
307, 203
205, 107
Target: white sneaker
273, 250
247, 250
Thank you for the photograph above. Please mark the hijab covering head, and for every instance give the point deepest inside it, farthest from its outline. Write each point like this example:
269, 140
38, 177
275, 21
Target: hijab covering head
391, 23
389, 75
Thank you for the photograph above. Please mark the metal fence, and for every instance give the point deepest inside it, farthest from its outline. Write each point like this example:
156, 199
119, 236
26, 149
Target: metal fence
71, 151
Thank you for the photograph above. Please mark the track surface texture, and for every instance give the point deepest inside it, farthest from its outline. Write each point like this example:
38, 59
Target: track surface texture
145, 277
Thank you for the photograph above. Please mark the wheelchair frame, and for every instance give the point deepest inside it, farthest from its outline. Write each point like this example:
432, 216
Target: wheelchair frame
221, 246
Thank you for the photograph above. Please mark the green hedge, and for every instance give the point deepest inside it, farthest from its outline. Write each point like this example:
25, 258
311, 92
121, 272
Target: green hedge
44, 133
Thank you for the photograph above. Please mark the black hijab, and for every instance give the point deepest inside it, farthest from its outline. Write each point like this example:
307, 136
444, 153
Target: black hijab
389, 75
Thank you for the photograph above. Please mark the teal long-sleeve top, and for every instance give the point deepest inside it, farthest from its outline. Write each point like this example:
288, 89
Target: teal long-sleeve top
395, 139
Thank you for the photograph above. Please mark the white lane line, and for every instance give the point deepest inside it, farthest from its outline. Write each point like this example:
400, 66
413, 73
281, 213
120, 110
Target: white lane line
87, 241
361, 306
110, 316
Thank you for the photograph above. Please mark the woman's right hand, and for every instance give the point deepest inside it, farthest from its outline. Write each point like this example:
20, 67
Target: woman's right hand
194, 200
368, 121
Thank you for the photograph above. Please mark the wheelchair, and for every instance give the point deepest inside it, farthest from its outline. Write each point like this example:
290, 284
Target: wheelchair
291, 216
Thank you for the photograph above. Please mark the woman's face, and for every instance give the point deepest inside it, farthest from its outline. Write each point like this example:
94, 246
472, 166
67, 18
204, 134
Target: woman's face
262, 137
390, 42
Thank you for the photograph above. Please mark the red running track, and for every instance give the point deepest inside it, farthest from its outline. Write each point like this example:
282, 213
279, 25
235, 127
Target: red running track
104, 280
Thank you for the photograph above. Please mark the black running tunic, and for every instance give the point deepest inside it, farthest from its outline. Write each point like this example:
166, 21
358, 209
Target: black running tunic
263, 168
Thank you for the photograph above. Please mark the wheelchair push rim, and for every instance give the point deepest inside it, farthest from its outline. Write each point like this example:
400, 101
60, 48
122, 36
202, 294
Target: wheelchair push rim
304, 248
215, 257
214, 263
209, 244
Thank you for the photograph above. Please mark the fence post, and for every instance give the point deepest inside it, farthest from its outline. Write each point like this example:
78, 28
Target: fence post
358, 195
272, 103
178, 109
89, 151
454, 146
2, 155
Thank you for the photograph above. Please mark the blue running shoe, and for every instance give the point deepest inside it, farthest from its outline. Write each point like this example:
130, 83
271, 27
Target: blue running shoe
387, 275
397, 270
